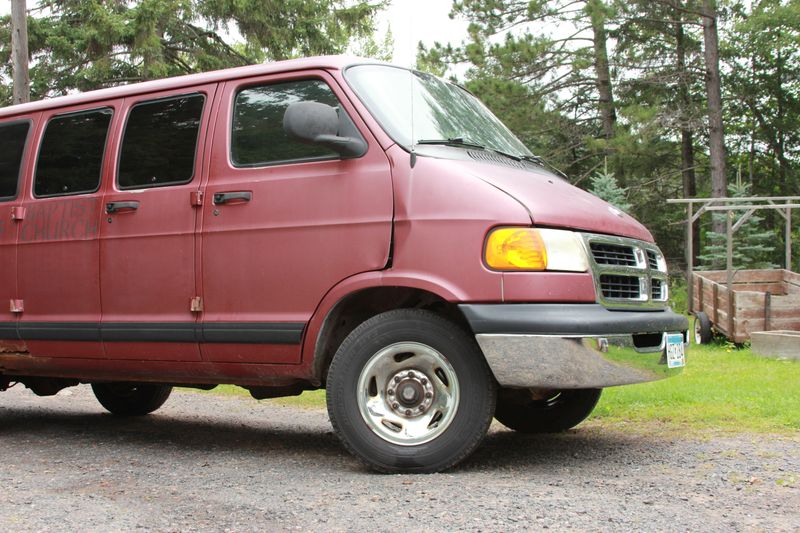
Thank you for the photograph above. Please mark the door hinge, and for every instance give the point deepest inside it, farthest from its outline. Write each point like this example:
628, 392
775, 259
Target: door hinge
196, 198
17, 306
17, 213
196, 305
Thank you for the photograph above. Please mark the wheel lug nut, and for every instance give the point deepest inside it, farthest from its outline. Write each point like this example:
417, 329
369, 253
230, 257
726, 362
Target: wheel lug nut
424, 381
421, 408
396, 379
429, 395
390, 392
411, 375
395, 405
408, 412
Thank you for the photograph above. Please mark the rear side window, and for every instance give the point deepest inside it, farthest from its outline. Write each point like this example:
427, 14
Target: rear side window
258, 137
71, 155
12, 147
160, 142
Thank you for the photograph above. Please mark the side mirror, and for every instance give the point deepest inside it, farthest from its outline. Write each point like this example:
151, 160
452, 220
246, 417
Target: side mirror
316, 123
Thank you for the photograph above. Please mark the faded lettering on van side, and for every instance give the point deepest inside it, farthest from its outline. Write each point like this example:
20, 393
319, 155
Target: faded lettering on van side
65, 220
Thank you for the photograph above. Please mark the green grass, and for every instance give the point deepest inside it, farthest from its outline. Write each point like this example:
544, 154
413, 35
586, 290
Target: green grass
722, 390
314, 399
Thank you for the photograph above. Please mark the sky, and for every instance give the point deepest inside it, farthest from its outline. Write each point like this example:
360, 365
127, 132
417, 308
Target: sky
411, 21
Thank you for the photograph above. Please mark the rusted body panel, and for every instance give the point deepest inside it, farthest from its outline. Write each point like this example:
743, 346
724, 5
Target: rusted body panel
23, 364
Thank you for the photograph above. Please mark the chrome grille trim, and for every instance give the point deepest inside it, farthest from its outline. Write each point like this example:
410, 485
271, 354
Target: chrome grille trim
628, 273
624, 287
613, 254
652, 260
657, 290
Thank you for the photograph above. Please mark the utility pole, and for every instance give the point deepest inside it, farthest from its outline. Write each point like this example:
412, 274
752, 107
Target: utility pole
19, 52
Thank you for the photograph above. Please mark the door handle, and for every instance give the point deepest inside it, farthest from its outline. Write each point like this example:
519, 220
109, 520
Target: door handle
114, 207
233, 196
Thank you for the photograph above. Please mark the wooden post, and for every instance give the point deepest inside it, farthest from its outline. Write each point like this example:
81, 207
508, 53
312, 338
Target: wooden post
788, 238
689, 257
767, 309
715, 297
729, 232
19, 52
700, 290
729, 248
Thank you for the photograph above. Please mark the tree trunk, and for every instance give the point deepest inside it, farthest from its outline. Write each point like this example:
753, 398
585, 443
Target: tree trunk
687, 134
716, 134
606, 97
19, 52
783, 164
752, 153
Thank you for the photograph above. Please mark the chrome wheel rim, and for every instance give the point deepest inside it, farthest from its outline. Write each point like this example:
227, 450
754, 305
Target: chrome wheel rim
408, 393
697, 337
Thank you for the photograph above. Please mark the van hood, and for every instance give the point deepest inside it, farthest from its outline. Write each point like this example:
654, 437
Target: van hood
550, 200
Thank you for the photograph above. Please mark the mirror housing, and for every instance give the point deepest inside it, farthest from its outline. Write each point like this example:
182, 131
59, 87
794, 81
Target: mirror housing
317, 123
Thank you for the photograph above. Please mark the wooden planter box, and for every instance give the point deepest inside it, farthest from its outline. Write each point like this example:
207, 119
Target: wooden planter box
760, 300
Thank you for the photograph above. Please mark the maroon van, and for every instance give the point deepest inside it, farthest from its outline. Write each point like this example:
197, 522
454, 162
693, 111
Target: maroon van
324, 222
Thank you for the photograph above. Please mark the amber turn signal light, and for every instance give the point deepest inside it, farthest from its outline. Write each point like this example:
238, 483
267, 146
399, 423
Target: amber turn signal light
515, 249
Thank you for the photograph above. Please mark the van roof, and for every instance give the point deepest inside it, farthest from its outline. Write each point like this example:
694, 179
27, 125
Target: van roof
320, 62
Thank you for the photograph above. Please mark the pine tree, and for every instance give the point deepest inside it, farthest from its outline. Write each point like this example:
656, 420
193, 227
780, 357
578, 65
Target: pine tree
80, 45
605, 186
752, 246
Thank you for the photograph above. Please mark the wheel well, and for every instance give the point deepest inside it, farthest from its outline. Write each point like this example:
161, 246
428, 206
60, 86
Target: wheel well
360, 306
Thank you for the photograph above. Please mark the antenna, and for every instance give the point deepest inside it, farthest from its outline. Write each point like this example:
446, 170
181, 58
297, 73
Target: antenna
412, 77
413, 140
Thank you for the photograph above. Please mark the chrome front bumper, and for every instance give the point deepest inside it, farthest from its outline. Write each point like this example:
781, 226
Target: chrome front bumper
573, 346
550, 362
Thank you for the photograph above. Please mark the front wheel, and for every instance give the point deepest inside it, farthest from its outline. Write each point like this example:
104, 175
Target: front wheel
409, 391
535, 411
131, 399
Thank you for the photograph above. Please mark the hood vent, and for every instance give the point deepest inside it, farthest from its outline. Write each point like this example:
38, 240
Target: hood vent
490, 157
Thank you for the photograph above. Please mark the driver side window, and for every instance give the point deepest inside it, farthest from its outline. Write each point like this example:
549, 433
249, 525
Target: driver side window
257, 136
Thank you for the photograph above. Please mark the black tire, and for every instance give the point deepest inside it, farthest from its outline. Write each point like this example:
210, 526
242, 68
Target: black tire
528, 411
423, 350
702, 328
131, 399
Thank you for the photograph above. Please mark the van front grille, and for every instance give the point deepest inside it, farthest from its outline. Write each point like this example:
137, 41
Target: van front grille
657, 289
615, 286
652, 260
628, 273
613, 254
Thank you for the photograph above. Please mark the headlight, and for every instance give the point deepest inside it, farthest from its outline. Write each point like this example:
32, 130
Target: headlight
535, 249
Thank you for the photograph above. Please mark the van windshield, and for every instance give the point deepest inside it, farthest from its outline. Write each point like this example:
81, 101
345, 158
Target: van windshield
443, 113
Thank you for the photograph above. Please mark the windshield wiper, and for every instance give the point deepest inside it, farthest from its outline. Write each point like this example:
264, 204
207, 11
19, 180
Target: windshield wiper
505, 154
460, 141
542, 162
530, 158
452, 141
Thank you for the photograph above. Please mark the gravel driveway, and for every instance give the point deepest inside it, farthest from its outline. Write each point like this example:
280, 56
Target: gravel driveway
209, 463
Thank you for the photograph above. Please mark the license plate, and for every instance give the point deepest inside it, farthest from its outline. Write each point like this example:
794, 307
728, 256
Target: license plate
674, 348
